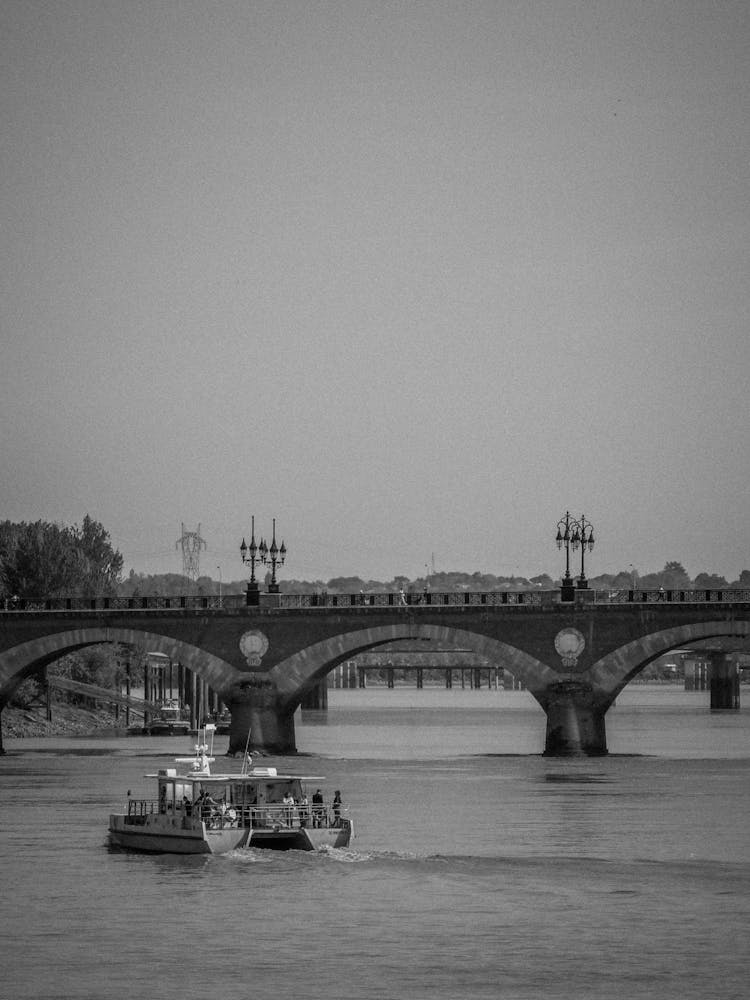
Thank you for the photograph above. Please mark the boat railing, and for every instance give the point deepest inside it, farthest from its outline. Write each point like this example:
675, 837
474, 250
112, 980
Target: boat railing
139, 809
269, 816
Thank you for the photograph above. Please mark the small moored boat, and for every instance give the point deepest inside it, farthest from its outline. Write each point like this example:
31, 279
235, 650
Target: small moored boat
169, 721
197, 812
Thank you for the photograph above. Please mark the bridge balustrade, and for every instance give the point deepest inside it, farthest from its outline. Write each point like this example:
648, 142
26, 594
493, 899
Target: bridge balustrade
727, 596
499, 598
391, 600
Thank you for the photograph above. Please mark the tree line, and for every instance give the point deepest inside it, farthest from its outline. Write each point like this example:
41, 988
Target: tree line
44, 559
672, 577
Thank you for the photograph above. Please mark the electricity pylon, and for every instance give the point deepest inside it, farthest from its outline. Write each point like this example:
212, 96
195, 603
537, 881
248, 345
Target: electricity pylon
191, 543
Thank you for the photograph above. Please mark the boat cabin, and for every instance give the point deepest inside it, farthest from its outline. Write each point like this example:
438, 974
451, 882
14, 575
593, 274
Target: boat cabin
260, 798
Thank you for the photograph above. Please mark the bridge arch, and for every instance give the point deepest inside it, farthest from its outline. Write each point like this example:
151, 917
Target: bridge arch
299, 673
20, 659
610, 674
263, 705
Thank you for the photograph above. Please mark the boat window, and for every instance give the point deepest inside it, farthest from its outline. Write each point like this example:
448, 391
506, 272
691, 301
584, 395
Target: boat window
276, 790
166, 795
181, 789
244, 794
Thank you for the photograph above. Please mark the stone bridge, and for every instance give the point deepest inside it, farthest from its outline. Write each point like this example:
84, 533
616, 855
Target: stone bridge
574, 657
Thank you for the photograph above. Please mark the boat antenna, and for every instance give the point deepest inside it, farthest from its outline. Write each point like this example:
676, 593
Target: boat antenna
247, 760
209, 728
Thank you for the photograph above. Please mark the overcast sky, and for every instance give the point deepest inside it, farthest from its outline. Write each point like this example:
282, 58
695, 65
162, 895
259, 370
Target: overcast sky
413, 278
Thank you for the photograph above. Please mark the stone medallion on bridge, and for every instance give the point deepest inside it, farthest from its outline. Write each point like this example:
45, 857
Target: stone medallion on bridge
253, 646
569, 644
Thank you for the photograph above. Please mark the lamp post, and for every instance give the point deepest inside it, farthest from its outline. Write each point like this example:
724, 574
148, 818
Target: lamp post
574, 535
563, 538
219, 569
249, 554
272, 556
583, 536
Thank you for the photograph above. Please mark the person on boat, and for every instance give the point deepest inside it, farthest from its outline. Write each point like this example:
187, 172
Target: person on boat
337, 808
304, 810
207, 804
317, 808
288, 802
187, 805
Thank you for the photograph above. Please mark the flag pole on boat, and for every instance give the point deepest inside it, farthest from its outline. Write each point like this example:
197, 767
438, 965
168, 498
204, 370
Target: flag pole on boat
247, 760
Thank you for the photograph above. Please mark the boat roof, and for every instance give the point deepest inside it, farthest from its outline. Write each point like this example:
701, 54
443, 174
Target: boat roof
248, 777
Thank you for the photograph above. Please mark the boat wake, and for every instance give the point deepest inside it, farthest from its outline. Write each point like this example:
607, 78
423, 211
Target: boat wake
327, 854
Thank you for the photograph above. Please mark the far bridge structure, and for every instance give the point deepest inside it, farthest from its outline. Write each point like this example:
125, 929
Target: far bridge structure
264, 659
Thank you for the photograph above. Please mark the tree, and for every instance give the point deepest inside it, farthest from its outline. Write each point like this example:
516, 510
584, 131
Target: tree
42, 561
51, 560
100, 564
675, 577
346, 584
672, 577
709, 581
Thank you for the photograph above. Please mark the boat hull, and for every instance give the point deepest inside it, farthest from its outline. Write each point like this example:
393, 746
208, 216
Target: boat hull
167, 729
169, 837
301, 838
164, 835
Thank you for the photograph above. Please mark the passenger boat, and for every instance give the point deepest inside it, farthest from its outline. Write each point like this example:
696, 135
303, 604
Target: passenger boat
168, 722
197, 812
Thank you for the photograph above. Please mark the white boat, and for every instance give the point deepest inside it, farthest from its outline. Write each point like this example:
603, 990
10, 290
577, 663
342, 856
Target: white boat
197, 812
168, 722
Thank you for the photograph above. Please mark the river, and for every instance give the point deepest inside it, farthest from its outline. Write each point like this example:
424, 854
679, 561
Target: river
479, 868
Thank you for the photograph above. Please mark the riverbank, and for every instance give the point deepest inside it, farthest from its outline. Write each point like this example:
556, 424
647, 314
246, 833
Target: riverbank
67, 720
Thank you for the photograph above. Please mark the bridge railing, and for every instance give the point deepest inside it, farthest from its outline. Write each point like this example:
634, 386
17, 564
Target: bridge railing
290, 601
431, 600
152, 602
324, 601
726, 596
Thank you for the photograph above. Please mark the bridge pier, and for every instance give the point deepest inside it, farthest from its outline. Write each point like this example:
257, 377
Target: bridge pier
725, 682
270, 729
317, 698
575, 723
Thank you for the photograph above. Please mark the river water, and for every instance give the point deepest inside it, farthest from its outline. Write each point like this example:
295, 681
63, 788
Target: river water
479, 868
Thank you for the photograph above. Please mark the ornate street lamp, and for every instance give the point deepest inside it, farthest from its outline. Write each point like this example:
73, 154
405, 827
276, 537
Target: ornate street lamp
563, 538
262, 553
583, 536
249, 554
574, 535
272, 556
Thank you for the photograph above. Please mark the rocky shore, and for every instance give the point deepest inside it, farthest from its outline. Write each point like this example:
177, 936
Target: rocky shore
67, 720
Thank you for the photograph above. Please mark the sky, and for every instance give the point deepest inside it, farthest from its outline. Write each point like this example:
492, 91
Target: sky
414, 279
